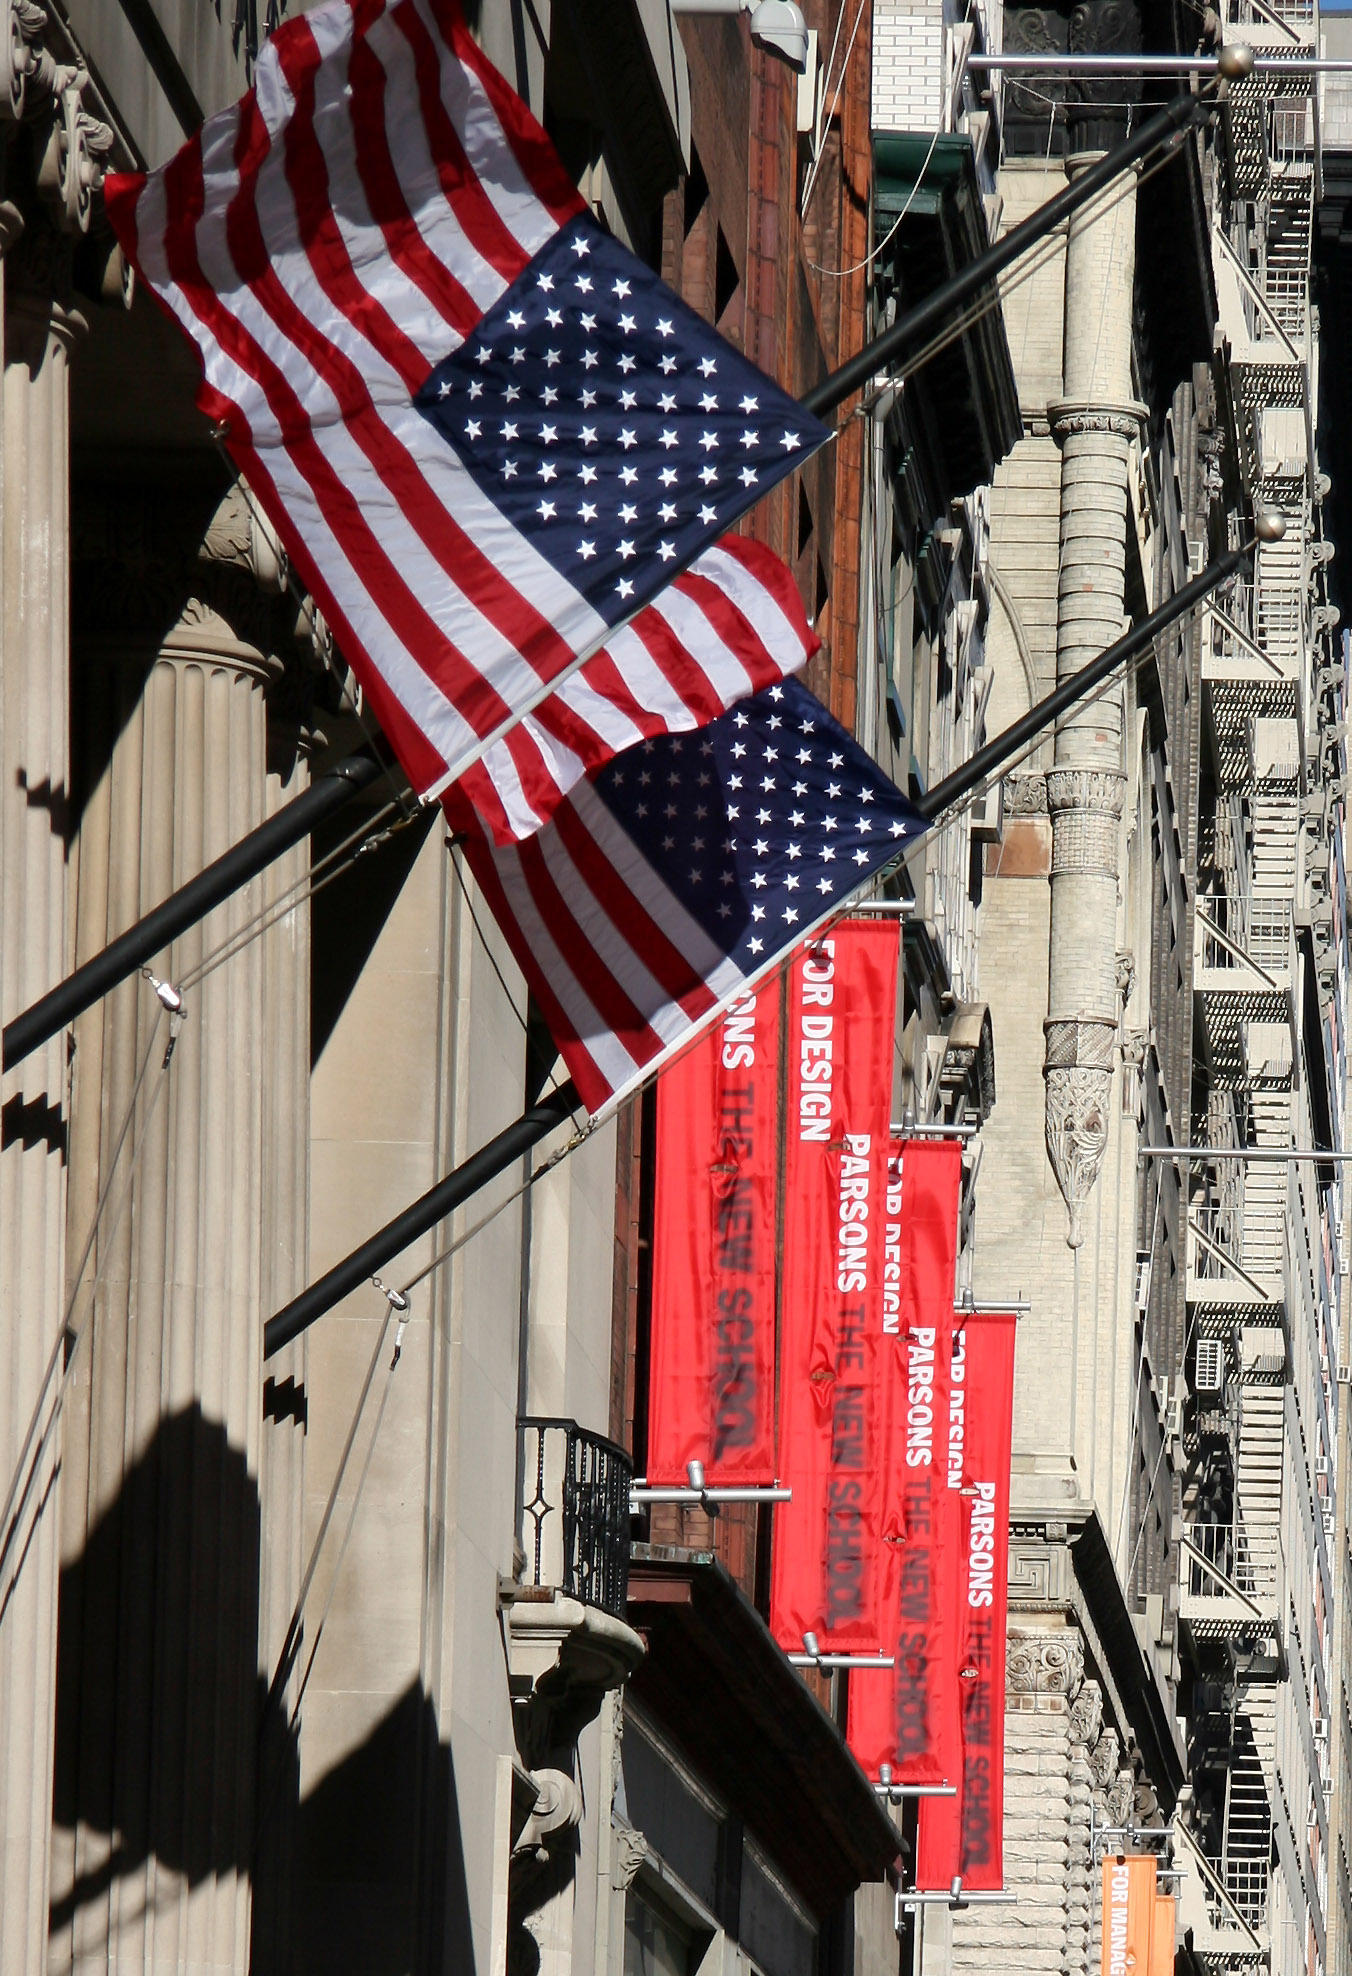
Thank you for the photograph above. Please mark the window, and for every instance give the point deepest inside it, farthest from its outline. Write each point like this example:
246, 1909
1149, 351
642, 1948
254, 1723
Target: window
655, 1942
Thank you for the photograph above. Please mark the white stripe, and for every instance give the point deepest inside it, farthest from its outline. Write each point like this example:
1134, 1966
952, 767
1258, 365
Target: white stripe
443, 482
612, 1061
758, 604
381, 278
487, 149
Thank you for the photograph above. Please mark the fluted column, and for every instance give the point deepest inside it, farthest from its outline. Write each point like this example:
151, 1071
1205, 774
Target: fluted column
1095, 424
160, 1675
33, 954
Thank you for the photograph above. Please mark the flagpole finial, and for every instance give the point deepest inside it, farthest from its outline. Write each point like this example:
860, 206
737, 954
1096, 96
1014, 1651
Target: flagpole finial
1268, 526
1235, 62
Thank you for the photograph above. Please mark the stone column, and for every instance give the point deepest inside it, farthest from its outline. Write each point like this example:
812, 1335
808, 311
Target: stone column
1094, 424
34, 672
160, 1673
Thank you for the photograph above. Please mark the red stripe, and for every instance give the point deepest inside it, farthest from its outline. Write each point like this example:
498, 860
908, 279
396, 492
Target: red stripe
445, 541
483, 224
534, 153
592, 1085
608, 997
307, 176
674, 972
416, 628
385, 198
422, 762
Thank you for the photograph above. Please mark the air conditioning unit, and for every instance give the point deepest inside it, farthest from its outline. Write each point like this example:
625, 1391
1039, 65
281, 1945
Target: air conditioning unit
1209, 1371
1142, 1279
1321, 1466
1321, 1728
988, 815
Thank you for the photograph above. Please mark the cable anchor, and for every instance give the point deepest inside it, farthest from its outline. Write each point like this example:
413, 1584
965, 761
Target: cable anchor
399, 1304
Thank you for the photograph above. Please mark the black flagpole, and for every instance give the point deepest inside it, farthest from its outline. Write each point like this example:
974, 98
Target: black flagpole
978, 768
910, 330
535, 1124
424, 1213
257, 850
235, 867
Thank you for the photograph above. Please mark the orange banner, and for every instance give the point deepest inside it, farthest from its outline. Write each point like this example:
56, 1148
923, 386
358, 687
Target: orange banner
1162, 1936
1128, 1915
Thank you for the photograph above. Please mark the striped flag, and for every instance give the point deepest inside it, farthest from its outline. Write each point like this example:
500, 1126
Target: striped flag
672, 879
486, 434
730, 625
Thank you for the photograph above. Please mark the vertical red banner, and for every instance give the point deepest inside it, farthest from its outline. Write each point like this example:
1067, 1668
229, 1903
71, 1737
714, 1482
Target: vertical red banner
909, 1718
964, 1835
712, 1384
827, 1573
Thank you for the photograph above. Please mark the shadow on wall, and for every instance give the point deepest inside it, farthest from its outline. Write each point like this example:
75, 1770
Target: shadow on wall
166, 1751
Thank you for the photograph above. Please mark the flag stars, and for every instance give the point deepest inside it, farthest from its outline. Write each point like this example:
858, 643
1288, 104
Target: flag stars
580, 246
665, 326
628, 400
667, 438
748, 476
550, 395
666, 550
666, 365
546, 510
791, 442
586, 550
586, 399
707, 366
549, 433
628, 324
589, 360
624, 587
668, 476
509, 429
583, 284
667, 402
545, 281
554, 317
620, 290
708, 402
749, 404
473, 428
667, 511
548, 470
709, 441
587, 475
587, 511
515, 319
625, 550
628, 363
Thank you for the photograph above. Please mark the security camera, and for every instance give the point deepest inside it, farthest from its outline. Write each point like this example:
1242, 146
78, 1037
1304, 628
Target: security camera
779, 26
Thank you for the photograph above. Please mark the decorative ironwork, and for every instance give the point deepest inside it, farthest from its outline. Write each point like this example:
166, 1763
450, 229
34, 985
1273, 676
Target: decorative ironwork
575, 1512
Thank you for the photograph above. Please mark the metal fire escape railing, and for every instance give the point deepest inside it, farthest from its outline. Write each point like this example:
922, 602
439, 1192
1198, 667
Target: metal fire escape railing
1259, 668
575, 1512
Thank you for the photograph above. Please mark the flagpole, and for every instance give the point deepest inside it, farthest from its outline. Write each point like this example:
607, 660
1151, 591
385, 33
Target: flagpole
149, 936
979, 768
423, 1214
912, 328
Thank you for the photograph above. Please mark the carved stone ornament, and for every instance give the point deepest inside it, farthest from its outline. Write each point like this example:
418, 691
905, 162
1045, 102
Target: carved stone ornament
1078, 1103
1044, 1664
1125, 965
23, 25
1104, 1758
1086, 1715
558, 1811
1098, 789
1025, 795
1121, 1798
1074, 415
75, 156
629, 1850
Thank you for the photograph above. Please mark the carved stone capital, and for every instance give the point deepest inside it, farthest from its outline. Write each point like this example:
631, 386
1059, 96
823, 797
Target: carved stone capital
1044, 1664
1025, 795
1078, 1101
21, 22
1070, 415
1098, 789
188, 573
1086, 1715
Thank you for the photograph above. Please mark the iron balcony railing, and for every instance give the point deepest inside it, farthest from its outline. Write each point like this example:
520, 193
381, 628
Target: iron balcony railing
1236, 926
1246, 1883
575, 1512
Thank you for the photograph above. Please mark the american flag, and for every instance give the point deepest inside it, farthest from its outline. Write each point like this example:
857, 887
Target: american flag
730, 625
670, 880
486, 434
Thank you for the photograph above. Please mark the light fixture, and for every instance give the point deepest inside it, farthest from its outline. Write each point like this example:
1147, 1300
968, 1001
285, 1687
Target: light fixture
775, 24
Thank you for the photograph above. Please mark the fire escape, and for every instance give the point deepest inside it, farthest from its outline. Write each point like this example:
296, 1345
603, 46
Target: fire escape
1260, 685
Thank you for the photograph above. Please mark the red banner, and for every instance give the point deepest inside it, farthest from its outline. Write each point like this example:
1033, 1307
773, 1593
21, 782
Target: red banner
828, 1575
712, 1386
964, 1835
909, 1718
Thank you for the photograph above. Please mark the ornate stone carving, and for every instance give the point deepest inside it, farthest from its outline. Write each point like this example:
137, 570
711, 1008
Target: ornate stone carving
1084, 840
1044, 1664
629, 1850
1098, 789
1086, 1715
1126, 975
23, 23
1121, 1797
1069, 415
1104, 1757
1088, 1043
558, 1811
1078, 1100
75, 155
1025, 795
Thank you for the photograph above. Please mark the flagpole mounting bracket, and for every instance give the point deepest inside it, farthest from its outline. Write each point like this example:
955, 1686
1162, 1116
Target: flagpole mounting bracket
696, 1494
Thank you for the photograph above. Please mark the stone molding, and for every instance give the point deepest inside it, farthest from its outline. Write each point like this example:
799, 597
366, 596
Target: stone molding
1025, 795
1094, 789
1071, 416
1044, 1664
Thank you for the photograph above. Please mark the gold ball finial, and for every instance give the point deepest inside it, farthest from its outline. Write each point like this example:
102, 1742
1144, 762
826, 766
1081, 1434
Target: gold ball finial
1268, 527
1235, 62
